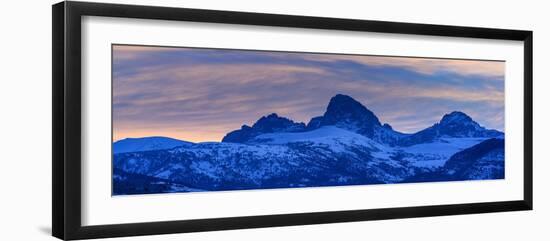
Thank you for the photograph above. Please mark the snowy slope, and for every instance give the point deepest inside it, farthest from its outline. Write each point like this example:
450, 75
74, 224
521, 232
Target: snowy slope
482, 161
318, 135
435, 154
335, 138
146, 144
432, 154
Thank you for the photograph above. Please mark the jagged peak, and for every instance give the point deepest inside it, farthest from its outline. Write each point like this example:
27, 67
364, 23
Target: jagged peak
274, 118
343, 106
340, 99
456, 117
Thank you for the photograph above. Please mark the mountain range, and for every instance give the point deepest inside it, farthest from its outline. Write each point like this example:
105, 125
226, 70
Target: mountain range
347, 145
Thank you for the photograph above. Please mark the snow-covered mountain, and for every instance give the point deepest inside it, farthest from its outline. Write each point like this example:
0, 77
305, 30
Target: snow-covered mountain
146, 144
347, 113
347, 145
342, 111
456, 125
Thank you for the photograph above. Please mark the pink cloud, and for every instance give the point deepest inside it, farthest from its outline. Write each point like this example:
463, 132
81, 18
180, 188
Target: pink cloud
421, 65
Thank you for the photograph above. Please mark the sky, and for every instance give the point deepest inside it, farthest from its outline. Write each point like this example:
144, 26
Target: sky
198, 94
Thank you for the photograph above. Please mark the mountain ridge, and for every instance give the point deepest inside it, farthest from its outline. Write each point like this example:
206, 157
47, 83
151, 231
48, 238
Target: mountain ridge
266, 124
347, 113
454, 124
146, 144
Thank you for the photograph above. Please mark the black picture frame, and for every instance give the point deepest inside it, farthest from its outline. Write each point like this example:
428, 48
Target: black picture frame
66, 158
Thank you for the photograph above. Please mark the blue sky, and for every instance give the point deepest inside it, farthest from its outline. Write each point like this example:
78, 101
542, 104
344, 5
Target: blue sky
201, 94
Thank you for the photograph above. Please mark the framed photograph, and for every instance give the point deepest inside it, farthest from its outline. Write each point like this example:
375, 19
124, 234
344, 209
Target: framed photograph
169, 120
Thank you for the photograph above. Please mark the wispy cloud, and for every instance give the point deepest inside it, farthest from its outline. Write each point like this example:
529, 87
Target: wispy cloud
422, 65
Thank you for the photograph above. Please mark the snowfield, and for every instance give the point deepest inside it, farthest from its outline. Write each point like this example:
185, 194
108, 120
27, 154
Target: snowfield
435, 154
429, 155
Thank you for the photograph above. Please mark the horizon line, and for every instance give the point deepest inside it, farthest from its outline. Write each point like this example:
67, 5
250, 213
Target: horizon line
196, 142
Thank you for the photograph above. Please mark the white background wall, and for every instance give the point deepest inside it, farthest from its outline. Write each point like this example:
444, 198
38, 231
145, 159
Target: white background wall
25, 121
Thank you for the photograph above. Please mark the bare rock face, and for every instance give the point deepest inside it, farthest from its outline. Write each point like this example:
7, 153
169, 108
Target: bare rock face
266, 124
